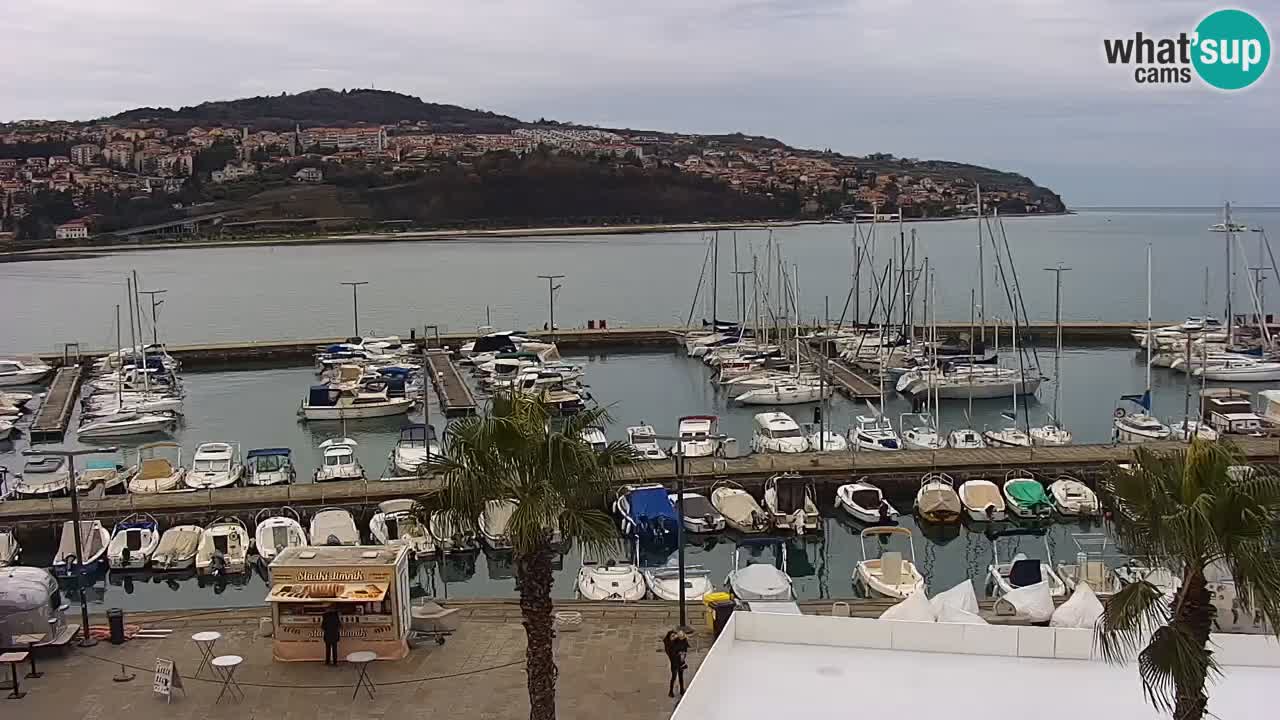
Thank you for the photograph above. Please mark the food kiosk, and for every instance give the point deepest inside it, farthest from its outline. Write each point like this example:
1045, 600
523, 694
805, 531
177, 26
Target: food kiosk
367, 585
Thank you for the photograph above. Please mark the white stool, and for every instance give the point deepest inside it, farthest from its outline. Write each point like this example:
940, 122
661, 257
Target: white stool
205, 642
362, 660
225, 666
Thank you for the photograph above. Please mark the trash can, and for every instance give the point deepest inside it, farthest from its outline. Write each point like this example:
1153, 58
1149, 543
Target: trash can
115, 621
709, 614
723, 610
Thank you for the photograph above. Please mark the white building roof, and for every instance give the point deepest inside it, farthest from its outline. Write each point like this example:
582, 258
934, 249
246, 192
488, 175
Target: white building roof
767, 666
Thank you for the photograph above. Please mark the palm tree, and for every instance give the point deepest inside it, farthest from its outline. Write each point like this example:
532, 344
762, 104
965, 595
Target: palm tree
1189, 510
516, 452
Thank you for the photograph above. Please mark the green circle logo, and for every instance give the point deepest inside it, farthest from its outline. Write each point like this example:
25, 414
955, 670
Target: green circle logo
1231, 49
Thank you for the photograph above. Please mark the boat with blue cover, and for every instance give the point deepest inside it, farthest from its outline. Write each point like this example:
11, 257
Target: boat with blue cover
647, 514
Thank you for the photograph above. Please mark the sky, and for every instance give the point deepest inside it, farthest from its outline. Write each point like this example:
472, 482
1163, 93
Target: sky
1019, 85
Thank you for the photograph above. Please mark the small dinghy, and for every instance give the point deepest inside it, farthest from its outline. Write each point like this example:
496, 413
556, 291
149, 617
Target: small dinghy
664, 582
789, 502
741, 511
449, 535
493, 523
269, 466
396, 524
43, 476
1073, 498
888, 575
1026, 496
937, 500
156, 473
866, 502
177, 548
760, 581
276, 530
982, 501
334, 526
10, 550
94, 539
700, 516
133, 543
1021, 571
611, 581
215, 465
224, 548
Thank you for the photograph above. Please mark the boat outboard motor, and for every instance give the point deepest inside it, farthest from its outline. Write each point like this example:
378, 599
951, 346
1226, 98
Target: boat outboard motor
759, 521
886, 518
990, 510
332, 541
125, 552
217, 564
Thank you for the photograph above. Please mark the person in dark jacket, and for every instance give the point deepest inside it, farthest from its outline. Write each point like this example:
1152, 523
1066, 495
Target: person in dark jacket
676, 645
331, 627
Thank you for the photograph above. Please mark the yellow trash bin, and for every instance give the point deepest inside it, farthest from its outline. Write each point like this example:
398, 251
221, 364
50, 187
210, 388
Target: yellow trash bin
709, 602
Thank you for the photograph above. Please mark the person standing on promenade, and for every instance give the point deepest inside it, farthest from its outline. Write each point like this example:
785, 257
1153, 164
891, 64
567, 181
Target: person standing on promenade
676, 645
331, 627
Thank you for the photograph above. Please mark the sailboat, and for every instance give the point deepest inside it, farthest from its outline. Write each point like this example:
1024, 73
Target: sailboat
1012, 435
966, 438
1053, 433
919, 430
1141, 426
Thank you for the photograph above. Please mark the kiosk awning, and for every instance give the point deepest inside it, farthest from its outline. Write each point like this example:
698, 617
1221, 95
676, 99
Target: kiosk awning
327, 592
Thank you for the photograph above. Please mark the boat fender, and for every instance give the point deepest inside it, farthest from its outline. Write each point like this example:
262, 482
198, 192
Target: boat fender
1118, 413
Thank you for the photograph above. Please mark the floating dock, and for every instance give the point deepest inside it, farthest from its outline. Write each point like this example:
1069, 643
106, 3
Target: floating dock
50, 425
847, 381
455, 395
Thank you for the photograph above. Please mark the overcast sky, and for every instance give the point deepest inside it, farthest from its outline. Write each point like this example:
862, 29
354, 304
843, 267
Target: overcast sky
1016, 84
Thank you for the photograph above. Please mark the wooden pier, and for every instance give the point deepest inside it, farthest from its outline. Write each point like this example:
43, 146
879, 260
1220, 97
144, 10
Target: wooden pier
847, 381
54, 415
454, 393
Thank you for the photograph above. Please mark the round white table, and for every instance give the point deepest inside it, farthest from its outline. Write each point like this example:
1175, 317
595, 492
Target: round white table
205, 642
362, 660
225, 666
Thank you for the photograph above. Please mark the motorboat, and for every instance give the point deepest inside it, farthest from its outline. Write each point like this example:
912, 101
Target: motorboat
334, 526
214, 465
789, 500
369, 400
1050, 436
1073, 498
1139, 427
968, 381
760, 581
157, 473
339, 461
826, 440
494, 523
777, 432
224, 548
561, 401
133, 542
664, 582
43, 476
277, 530
1240, 370
647, 514
416, 446
94, 540
1021, 571
644, 443
10, 548
396, 523
700, 516
1193, 430
789, 393
594, 436
866, 502
177, 548
919, 432
1090, 566
874, 433
1228, 227
937, 500
22, 372
611, 581
1025, 496
107, 474
982, 501
450, 535
1144, 570
126, 423
697, 436
1011, 436
269, 466
889, 575
965, 439
740, 511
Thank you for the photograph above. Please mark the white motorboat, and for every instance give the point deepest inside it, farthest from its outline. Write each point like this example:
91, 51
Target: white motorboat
16, 400
10, 549
1022, 571
123, 424
1073, 498
450, 535
339, 461
865, 502
697, 436
739, 509
700, 516
644, 443
276, 530
22, 372
664, 582
982, 501
43, 476
1145, 570
760, 581
269, 466
157, 473
1025, 496
874, 433
826, 440
494, 521
1091, 566
367, 401
94, 540
965, 439
395, 523
417, 445
789, 500
1139, 427
137, 403
107, 474
177, 548
777, 432
919, 432
214, 465
224, 548
889, 575
789, 393
1007, 437
334, 526
595, 437
1228, 227
133, 542
1192, 430
1050, 435
1240, 370
619, 582
937, 500
968, 381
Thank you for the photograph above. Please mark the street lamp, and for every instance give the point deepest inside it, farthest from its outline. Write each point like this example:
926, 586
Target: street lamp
551, 297
70, 456
355, 304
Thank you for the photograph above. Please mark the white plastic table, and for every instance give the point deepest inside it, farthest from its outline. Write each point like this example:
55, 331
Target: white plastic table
205, 642
362, 660
225, 666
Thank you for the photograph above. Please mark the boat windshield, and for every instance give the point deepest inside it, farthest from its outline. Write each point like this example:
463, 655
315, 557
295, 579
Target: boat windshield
211, 466
337, 459
786, 434
270, 463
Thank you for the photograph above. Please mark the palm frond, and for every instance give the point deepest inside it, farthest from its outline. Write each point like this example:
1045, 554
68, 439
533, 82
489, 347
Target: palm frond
1174, 662
1128, 618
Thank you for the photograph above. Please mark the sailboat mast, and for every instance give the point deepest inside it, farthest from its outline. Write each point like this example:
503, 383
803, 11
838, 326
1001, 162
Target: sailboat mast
755, 297
119, 358
133, 339
972, 309
737, 281
1150, 340
982, 275
1057, 347
715, 276
1231, 280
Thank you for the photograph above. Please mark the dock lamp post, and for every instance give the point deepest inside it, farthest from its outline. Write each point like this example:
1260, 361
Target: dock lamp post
71, 455
551, 298
355, 304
